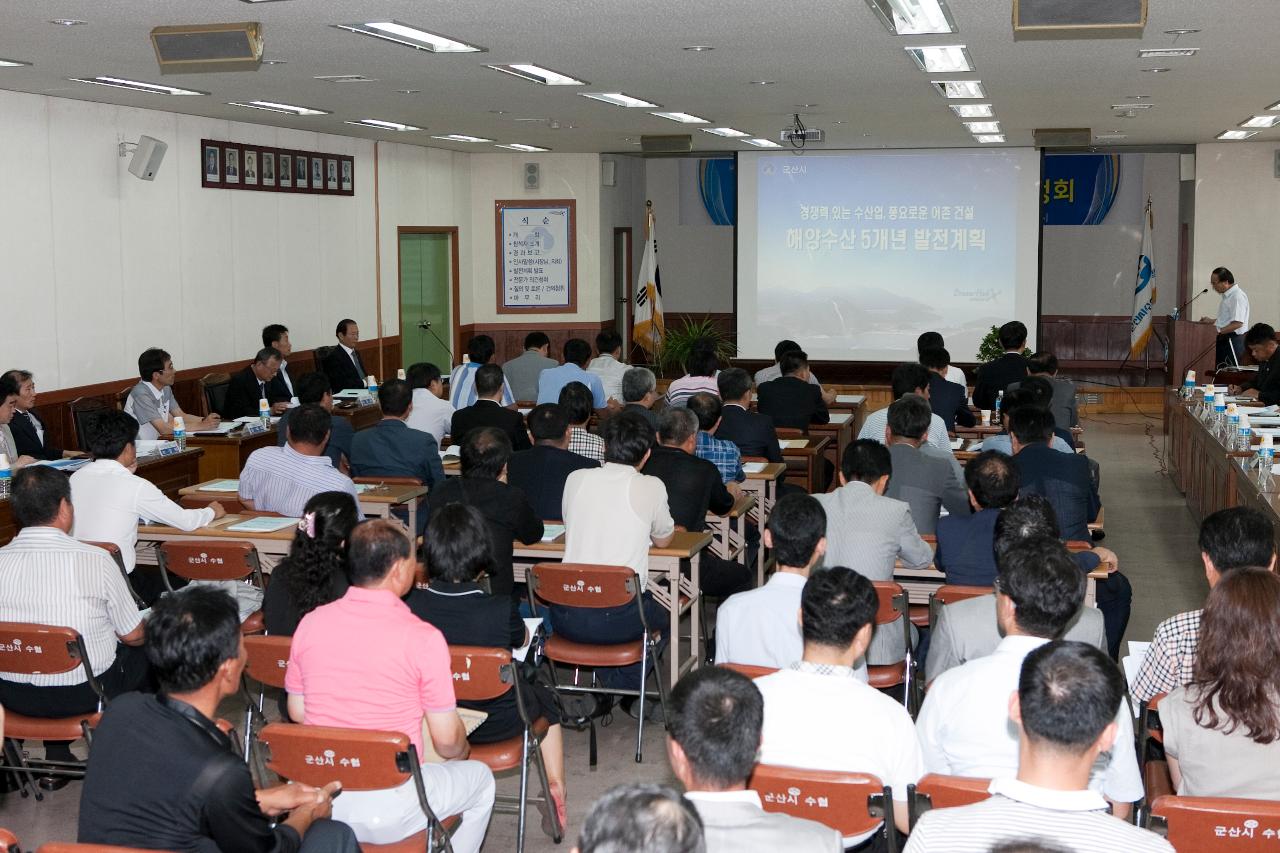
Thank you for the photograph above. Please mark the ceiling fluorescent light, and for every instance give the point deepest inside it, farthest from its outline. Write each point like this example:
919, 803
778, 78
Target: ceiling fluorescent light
619, 99
272, 106
461, 137
986, 138
1261, 121
960, 88
411, 37
725, 131
914, 17
683, 118
1152, 53
761, 142
1275, 106
383, 125
1237, 134
520, 146
973, 110
538, 74
942, 59
1145, 105
983, 126
135, 85
12, 63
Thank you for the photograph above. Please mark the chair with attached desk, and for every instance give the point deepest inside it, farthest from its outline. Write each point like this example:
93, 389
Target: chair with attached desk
850, 803
892, 605
213, 392
214, 560
267, 660
749, 670
936, 791
1214, 824
114, 551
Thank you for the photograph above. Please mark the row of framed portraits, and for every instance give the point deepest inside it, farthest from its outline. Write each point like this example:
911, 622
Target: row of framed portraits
234, 166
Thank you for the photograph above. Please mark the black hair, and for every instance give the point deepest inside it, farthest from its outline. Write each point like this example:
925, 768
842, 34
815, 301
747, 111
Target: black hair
1044, 583
1027, 517
110, 433
608, 341
676, 425
9, 387
793, 361
1038, 390
342, 326
928, 340
1238, 537
627, 437
480, 349
189, 634
908, 378
395, 396
457, 544
18, 376
1223, 274
578, 402
734, 383
273, 333
548, 422
536, 340
151, 362
577, 351
422, 374
637, 382
309, 424
707, 407
1013, 335
317, 563
1043, 362
910, 416
716, 715
1030, 424
783, 348
642, 817
311, 388
866, 460
489, 379
993, 478
1259, 333
702, 360
1069, 693
796, 525
935, 358
485, 452
834, 605
266, 354
373, 548
38, 493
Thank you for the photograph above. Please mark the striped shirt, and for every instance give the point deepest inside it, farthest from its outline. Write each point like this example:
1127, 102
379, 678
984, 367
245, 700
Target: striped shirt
462, 386
1017, 811
873, 428
586, 444
679, 391
280, 479
1171, 657
49, 578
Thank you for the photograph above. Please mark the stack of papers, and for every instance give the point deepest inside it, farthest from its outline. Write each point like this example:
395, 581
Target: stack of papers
753, 467
957, 443
552, 532
841, 417
453, 451
262, 524
221, 486
792, 443
218, 429
850, 399
65, 464
249, 420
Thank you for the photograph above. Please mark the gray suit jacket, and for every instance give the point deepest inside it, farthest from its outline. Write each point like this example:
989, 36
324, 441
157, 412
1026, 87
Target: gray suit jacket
522, 373
731, 827
7, 445
926, 479
968, 630
1063, 404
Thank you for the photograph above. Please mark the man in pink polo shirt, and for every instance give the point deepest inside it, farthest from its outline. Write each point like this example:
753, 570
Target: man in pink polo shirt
366, 662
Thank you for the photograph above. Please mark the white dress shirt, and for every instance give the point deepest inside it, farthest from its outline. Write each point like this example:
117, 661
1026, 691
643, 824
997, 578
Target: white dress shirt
610, 371
430, 414
109, 500
956, 375
611, 515
965, 729
1234, 306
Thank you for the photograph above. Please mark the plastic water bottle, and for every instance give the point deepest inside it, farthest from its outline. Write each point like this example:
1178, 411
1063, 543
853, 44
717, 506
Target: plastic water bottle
1189, 385
996, 417
264, 411
6, 477
1244, 434
1266, 455
1219, 411
400, 374
1233, 425
372, 382
180, 433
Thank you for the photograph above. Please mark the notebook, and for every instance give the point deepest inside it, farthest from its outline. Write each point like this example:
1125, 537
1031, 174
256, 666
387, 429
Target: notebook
552, 532
262, 524
753, 467
221, 486
841, 417
790, 443
850, 399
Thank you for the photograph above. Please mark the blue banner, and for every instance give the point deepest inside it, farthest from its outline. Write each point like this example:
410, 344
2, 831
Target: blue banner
718, 186
1078, 189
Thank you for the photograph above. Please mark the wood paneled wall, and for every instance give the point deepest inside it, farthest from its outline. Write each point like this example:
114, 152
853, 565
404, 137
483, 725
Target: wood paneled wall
508, 338
1086, 342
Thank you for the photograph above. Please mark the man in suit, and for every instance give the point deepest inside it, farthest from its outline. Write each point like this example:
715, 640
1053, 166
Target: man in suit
523, 370
253, 384
948, 400
488, 411
314, 388
343, 365
929, 340
966, 543
391, 449
639, 393
694, 488
1044, 365
1265, 387
773, 371
28, 431
8, 406
713, 734
541, 470
276, 336
923, 476
754, 433
791, 400
995, 376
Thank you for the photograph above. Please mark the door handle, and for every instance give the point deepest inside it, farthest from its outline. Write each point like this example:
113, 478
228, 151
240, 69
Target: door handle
424, 325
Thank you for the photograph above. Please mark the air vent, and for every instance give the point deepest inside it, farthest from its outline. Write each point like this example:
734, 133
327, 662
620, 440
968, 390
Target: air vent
346, 78
1079, 18
197, 48
1060, 137
676, 144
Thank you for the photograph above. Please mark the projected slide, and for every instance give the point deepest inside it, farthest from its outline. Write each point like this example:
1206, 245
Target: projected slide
853, 254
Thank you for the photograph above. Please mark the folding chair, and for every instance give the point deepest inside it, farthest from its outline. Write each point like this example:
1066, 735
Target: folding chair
893, 606
8, 842
936, 791
71, 847
114, 550
586, 585
360, 761
268, 658
850, 803
950, 594
214, 560
749, 670
32, 649
1215, 824
481, 674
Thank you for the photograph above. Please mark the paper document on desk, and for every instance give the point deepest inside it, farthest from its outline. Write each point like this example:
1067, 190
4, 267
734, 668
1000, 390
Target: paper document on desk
531, 626
753, 467
65, 464
263, 524
552, 532
1131, 664
219, 428
248, 420
850, 399
221, 486
841, 417
453, 451
361, 488
1266, 410
957, 443
792, 443
150, 447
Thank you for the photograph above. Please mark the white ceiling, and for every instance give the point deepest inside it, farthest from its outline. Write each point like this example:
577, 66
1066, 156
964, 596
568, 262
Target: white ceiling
832, 53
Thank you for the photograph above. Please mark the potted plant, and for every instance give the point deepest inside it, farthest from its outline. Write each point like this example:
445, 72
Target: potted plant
990, 349
680, 340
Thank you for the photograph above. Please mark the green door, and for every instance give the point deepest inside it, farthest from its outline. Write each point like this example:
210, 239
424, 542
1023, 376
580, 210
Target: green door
425, 279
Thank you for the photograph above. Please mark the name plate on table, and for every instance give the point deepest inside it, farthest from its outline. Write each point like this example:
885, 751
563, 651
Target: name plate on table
253, 429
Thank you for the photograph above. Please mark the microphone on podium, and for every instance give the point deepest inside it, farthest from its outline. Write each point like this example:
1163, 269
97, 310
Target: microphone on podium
1178, 311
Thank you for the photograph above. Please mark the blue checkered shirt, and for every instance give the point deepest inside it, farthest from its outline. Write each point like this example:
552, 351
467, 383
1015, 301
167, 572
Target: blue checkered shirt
725, 454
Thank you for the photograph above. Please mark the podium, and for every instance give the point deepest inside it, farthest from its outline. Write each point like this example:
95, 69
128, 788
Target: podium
1191, 347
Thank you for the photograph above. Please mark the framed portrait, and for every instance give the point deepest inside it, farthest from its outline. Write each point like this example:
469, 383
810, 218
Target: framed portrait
286, 171
300, 171
331, 174
268, 163
231, 159
250, 168
212, 165
346, 169
317, 173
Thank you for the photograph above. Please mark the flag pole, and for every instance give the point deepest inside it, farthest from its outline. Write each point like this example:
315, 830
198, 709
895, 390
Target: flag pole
648, 235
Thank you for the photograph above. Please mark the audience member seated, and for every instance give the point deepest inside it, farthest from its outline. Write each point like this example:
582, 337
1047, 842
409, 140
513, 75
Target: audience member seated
928, 340
1234, 538
870, 533
1065, 711
819, 716
576, 400
967, 630
908, 378
8, 409
151, 402
366, 662
343, 365
390, 449
1062, 403
467, 614
754, 433
995, 376
523, 370
276, 336
282, 479
540, 471
489, 411
792, 400
774, 371
314, 572
49, 578
608, 364
462, 382
722, 453
109, 499
28, 430
314, 388
1222, 730
641, 813
964, 725
1265, 387
966, 543
948, 400
694, 488
249, 386
1063, 478
577, 353
484, 485
639, 393
713, 735
162, 775
612, 515
1036, 393
923, 476
431, 413
700, 375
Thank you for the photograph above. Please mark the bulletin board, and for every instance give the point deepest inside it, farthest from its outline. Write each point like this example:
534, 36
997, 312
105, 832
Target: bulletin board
536, 243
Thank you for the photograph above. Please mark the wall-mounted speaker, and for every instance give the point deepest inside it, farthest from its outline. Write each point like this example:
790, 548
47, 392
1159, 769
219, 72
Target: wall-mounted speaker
198, 48
532, 176
147, 158
608, 173
1187, 166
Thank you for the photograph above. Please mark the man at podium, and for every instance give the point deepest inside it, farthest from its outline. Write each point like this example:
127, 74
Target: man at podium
1233, 317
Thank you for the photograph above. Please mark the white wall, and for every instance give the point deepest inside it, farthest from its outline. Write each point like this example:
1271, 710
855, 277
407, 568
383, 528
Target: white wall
622, 206
696, 260
1237, 217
